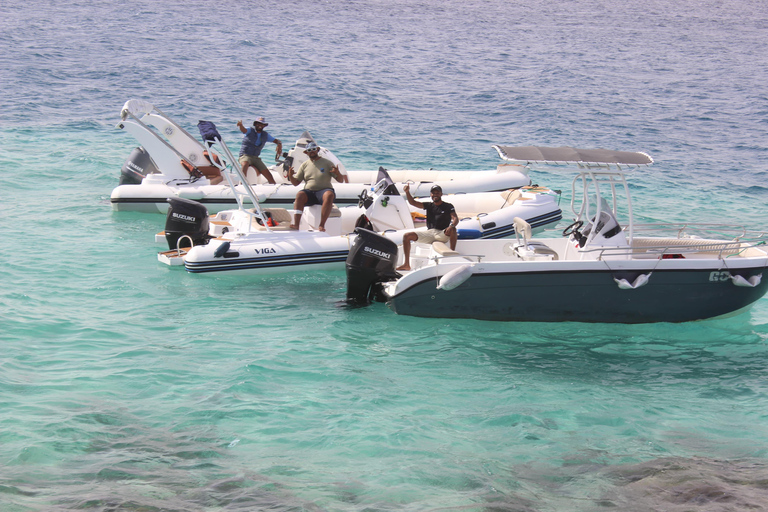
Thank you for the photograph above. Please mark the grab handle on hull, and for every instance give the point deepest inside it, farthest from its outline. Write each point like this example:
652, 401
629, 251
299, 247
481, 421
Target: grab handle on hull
746, 282
179, 250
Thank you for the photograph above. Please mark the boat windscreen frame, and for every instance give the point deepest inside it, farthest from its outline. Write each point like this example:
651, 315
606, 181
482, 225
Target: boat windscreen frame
591, 179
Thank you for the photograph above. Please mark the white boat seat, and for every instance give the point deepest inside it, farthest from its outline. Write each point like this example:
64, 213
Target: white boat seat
443, 250
510, 196
279, 215
315, 209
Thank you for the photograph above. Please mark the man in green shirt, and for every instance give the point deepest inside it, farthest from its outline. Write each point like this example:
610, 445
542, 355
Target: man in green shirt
317, 172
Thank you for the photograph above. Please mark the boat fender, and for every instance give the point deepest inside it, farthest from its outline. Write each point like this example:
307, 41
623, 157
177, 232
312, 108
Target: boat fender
746, 282
641, 280
221, 250
454, 278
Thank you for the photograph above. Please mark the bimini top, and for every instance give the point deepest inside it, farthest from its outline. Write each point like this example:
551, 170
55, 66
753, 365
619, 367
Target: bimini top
565, 155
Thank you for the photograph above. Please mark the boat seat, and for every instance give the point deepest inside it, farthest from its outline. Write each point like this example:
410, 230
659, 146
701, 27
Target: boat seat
510, 196
443, 250
279, 215
315, 210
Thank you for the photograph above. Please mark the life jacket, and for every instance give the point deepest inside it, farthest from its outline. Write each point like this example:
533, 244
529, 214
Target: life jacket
191, 169
270, 221
213, 159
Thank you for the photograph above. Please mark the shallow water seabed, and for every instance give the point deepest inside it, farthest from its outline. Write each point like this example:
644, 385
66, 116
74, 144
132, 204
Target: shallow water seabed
127, 385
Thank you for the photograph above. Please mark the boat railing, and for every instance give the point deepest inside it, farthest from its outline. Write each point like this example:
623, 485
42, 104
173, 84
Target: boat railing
670, 247
700, 230
468, 257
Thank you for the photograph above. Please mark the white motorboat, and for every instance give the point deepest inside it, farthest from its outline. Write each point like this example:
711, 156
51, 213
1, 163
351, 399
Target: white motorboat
260, 240
165, 164
599, 271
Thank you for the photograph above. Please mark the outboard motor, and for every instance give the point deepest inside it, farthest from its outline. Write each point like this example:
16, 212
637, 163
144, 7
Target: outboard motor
138, 165
371, 261
186, 217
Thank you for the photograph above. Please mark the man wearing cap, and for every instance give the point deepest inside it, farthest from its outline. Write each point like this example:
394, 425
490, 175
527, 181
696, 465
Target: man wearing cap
253, 142
441, 223
317, 173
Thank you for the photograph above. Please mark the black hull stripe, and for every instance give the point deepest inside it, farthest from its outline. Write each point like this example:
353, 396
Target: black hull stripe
240, 265
270, 261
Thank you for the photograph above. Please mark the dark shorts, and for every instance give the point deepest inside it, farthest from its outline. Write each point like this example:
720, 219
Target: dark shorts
316, 196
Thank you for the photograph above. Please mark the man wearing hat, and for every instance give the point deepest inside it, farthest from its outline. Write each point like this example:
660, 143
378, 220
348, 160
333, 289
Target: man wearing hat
253, 142
441, 223
317, 173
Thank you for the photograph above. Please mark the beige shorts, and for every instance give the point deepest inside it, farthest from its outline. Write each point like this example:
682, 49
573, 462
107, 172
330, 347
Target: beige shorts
254, 161
431, 235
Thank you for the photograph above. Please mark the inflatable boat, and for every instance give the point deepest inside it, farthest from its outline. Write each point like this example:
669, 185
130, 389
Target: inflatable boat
260, 240
169, 163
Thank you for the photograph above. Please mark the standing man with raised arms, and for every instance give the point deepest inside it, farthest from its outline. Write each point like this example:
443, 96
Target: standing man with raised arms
253, 142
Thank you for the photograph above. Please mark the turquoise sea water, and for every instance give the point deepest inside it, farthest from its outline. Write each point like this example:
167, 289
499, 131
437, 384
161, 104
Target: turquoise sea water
126, 385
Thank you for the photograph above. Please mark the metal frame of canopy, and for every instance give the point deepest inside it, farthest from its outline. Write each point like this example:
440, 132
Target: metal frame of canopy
596, 166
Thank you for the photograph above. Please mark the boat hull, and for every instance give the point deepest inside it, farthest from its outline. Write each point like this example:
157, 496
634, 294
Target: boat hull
670, 295
270, 255
151, 196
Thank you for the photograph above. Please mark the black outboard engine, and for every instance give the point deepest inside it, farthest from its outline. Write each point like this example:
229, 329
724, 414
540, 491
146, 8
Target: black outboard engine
138, 165
186, 218
371, 261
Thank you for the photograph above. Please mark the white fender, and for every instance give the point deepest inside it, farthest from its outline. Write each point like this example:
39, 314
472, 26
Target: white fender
641, 280
747, 283
454, 278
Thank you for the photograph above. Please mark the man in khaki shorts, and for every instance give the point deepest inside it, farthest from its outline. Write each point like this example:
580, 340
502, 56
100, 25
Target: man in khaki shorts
316, 173
253, 142
441, 223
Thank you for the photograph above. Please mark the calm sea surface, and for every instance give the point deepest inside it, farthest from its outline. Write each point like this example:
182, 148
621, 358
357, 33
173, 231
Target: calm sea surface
126, 385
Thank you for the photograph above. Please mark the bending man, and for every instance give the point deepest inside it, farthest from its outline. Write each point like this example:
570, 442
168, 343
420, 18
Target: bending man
441, 223
317, 173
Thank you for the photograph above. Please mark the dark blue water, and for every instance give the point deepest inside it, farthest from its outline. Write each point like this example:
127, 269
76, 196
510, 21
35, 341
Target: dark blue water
126, 385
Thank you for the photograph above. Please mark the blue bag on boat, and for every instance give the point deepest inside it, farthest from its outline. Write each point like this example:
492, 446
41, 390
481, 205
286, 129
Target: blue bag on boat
208, 131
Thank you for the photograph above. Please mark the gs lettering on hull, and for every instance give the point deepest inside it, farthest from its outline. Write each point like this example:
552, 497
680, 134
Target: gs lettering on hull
719, 275
265, 250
